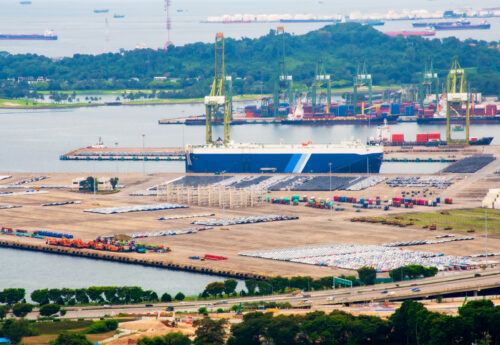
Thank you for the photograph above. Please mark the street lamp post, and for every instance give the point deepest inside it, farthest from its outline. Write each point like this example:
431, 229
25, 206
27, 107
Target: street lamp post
223, 199
116, 145
143, 158
486, 236
331, 201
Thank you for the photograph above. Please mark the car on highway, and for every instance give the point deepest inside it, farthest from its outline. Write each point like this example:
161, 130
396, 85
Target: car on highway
149, 305
415, 289
331, 298
384, 291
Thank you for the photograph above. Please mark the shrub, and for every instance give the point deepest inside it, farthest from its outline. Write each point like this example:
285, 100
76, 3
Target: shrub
179, 297
49, 309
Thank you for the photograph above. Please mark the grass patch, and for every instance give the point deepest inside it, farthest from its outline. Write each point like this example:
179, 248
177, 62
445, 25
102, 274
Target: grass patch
49, 327
459, 220
45, 339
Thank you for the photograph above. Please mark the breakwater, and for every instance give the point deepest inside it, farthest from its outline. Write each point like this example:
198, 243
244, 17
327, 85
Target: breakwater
128, 259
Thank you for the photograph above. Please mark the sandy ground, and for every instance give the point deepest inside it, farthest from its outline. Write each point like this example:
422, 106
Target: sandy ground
313, 227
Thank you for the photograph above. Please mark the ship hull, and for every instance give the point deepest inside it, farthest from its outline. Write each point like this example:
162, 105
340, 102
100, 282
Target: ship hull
485, 141
283, 162
28, 37
459, 120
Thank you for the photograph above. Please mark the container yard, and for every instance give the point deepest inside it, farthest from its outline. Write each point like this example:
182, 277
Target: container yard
385, 195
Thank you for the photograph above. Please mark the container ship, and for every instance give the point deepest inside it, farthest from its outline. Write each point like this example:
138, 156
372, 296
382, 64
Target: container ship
459, 26
310, 20
430, 24
101, 11
48, 36
410, 33
347, 157
384, 137
478, 115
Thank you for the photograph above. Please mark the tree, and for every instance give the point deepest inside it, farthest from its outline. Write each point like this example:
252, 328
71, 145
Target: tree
251, 285
114, 182
12, 296
4, 310
180, 296
81, 296
89, 184
71, 338
367, 275
230, 286
264, 287
55, 295
40, 296
215, 288
22, 309
209, 332
251, 331
49, 309
174, 338
166, 297
481, 316
15, 330
406, 322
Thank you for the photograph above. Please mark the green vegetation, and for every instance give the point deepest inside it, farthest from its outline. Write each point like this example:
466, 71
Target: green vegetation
367, 275
478, 322
71, 338
102, 326
49, 309
21, 309
412, 272
94, 294
253, 64
50, 327
174, 338
460, 221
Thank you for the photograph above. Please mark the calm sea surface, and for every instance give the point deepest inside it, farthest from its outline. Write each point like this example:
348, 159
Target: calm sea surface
80, 30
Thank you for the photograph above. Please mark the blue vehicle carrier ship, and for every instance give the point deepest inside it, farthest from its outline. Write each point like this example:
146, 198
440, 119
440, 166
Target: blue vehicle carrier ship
347, 157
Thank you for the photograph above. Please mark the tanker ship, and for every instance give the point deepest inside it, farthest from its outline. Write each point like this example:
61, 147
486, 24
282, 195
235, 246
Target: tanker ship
347, 157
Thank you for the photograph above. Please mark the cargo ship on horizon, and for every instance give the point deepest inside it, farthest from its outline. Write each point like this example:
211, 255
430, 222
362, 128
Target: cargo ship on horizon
346, 157
47, 36
431, 24
459, 26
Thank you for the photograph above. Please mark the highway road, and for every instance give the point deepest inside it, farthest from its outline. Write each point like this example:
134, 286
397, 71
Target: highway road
438, 285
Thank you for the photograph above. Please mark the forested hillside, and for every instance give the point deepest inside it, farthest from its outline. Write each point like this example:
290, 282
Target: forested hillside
342, 46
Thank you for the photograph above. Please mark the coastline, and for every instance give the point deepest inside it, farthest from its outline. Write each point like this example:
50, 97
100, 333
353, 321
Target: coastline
127, 258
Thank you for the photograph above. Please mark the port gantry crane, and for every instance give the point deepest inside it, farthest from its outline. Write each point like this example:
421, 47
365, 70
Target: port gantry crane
456, 97
429, 78
362, 78
282, 80
320, 79
219, 101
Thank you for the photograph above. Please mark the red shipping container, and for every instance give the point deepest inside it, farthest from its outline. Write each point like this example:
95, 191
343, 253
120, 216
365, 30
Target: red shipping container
491, 109
434, 136
398, 138
422, 138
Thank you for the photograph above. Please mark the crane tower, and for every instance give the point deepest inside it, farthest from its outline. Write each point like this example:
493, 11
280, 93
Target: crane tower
282, 79
218, 100
168, 23
362, 78
456, 98
320, 79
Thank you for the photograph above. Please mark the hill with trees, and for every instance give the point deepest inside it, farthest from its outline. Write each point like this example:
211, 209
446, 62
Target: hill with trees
253, 63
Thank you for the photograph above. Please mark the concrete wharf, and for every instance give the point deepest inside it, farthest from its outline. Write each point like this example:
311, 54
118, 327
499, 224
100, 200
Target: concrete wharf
126, 154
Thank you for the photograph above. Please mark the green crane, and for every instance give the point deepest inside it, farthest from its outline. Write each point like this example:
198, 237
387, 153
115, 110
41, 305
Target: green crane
362, 78
456, 97
429, 78
320, 79
282, 80
218, 101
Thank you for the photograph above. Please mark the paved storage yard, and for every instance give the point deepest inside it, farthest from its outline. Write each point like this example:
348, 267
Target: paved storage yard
313, 228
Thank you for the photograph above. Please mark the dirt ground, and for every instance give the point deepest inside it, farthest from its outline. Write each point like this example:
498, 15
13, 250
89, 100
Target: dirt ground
312, 228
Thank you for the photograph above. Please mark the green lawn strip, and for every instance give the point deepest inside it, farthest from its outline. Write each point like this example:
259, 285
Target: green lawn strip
49, 327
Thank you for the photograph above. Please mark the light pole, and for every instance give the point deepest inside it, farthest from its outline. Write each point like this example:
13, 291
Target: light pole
486, 236
116, 145
143, 158
223, 199
331, 200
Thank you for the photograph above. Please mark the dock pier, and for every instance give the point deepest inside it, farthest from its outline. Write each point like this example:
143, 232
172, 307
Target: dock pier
126, 154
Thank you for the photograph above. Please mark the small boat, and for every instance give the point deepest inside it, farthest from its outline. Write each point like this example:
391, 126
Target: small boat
101, 11
25, 2
118, 15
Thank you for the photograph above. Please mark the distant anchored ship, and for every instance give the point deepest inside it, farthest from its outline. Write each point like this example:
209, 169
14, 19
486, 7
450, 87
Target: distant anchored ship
49, 35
